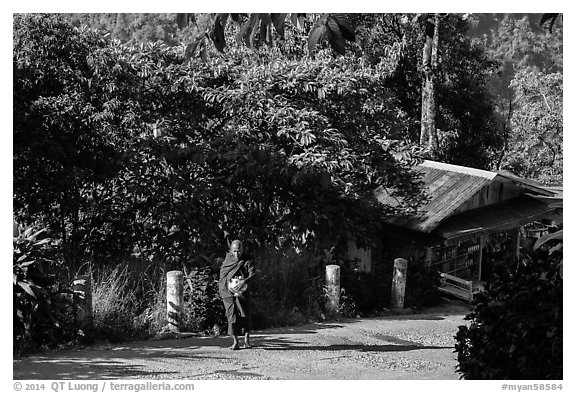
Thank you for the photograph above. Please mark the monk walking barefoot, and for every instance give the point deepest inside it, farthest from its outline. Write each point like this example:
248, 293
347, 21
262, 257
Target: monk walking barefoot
235, 272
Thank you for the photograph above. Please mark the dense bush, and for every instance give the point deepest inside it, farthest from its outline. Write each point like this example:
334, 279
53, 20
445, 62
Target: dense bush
358, 289
421, 286
515, 329
43, 313
288, 289
203, 308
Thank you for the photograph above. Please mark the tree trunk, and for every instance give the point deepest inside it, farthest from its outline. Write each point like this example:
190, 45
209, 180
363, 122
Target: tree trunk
428, 133
426, 54
505, 134
432, 105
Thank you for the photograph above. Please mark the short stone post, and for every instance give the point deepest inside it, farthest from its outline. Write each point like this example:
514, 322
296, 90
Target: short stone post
399, 283
82, 287
174, 299
333, 288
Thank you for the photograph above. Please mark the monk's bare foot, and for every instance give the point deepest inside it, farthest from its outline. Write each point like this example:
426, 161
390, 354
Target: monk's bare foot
234, 347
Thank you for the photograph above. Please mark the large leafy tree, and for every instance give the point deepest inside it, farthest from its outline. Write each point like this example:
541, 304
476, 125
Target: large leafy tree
462, 103
439, 74
68, 131
191, 153
323, 125
431, 54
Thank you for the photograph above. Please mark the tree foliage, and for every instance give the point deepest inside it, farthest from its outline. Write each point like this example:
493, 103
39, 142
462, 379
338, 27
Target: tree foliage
190, 154
395, 40
535, 146
529, 96
69, 131
464, 108
257, 28
133, 28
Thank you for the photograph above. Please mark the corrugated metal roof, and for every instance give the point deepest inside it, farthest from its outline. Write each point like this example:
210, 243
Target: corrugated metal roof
501, 216
447, 186
530, 185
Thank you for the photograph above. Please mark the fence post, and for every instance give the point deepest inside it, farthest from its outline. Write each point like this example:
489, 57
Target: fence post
82, 287
333, 288
399, 283
174, 299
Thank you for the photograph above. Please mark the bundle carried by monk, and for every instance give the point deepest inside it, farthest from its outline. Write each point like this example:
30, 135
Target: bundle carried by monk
237, 285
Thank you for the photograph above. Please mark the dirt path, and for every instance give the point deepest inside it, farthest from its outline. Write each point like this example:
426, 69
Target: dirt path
418, 346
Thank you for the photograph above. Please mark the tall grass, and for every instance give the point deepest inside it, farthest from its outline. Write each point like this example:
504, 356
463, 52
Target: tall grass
127, 305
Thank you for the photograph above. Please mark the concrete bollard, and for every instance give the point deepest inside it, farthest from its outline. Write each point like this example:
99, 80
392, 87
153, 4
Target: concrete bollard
399, 283
333, 288
82, 297
174, 299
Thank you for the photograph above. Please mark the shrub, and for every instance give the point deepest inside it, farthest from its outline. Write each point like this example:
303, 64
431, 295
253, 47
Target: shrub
357, 289
421, 286
284, 291
42, 307
203, 308
516, 325
366, 293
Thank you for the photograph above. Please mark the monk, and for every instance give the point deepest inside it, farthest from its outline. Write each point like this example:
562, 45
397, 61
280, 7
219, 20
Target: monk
235, 272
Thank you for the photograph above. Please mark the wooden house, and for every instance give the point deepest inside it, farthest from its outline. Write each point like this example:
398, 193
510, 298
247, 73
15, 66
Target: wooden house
472, 218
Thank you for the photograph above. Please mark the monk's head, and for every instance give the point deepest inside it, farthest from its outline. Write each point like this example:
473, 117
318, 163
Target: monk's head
236, 248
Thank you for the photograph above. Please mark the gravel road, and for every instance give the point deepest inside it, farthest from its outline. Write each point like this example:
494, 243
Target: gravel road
416, 346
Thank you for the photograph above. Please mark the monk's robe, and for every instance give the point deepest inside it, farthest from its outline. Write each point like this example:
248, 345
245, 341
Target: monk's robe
238, 308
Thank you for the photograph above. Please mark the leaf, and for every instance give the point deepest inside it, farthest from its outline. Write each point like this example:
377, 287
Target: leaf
27, 288
39, 290
223, 19
235, 17
301, 20
279, 21
294, 19
217, 35
298, 20
335, 37
24, 264
265, 21
548, 17
551, 236
183, 19
317, 34
203, 52
191, 48
245, 33
42, 242
346, 27
37, 233
253, 32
